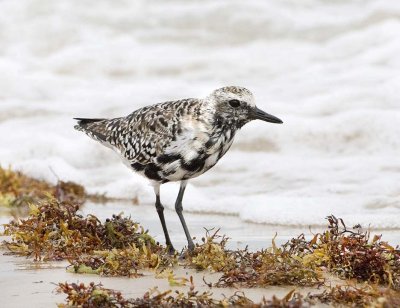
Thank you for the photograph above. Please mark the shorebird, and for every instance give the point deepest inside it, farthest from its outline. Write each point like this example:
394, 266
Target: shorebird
177, 140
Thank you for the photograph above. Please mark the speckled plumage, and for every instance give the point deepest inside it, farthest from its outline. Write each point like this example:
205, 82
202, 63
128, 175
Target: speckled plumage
177, 140
170, 141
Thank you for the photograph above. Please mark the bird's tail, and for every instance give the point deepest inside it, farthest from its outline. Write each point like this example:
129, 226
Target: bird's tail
83, 121
94, 128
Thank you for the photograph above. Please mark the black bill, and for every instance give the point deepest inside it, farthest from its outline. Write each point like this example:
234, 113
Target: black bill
261, 115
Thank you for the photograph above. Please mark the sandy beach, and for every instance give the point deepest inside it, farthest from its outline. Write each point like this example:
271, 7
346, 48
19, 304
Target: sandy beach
24, 282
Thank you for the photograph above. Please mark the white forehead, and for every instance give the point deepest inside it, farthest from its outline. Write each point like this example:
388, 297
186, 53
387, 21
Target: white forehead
228, 93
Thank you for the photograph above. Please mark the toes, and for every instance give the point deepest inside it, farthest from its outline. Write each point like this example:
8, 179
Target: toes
182, 256
190, 246
171, 250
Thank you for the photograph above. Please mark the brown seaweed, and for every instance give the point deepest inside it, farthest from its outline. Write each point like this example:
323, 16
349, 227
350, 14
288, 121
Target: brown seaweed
350, 253
18, 190
95, 295
55, 231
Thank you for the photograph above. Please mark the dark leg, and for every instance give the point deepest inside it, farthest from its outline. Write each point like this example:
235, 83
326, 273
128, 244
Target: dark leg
160, 211
179, 209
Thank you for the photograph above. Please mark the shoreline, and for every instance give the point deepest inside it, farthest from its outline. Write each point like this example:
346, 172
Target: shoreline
26, 282
241, 233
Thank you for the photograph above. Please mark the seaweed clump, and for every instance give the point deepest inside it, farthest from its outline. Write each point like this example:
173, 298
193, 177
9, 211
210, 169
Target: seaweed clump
211, 254
18, 190
273, 266
55, 231
356, 296
242, 268
122, 262
94, 295
350, 253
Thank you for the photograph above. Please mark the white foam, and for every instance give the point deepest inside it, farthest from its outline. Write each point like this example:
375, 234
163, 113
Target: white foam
329, 69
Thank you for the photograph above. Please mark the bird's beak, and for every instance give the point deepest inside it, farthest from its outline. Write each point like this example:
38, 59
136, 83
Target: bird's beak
258, 114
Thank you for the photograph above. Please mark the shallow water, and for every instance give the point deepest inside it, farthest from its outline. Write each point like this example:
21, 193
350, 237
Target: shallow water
255, 236
329, 69
241, 234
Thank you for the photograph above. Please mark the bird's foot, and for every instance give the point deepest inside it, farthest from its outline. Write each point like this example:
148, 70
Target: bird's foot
183, 256
171, 250
187, 252
191, 246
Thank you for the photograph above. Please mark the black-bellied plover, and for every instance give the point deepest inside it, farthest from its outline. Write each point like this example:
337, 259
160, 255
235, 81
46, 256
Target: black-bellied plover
177, 140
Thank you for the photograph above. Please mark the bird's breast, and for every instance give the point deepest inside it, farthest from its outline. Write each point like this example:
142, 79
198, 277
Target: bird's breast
216, 147
197, 149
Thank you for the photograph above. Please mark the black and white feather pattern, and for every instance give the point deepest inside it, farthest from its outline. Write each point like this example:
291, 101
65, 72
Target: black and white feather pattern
170, 141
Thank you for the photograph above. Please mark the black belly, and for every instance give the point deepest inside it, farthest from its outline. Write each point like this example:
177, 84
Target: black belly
155, 171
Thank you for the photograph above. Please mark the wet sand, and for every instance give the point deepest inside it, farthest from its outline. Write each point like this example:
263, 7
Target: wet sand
26, 283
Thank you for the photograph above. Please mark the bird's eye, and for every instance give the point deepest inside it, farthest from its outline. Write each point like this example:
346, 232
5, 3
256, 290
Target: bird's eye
234, 103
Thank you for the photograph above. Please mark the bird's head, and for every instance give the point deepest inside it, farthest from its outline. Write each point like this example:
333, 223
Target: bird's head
236, 105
